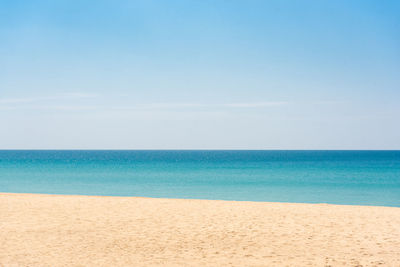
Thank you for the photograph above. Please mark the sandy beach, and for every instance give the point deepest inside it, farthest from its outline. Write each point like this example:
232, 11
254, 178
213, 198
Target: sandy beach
54, 230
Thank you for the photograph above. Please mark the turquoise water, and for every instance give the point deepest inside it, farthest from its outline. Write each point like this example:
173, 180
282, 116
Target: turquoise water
338, 177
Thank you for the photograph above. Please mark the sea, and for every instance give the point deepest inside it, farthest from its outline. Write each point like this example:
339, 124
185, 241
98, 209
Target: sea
335, 177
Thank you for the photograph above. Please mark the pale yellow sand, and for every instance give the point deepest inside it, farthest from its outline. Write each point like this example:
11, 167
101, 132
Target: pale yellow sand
45, 230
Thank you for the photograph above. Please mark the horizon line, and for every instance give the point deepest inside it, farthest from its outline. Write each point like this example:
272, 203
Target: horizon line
188, 149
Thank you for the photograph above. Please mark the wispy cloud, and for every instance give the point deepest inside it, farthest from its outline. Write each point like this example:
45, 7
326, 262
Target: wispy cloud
170, 105
328, 102
256, 104
45, 98
64, 102
201, 105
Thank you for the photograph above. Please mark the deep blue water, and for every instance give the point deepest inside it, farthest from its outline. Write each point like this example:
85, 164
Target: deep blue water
338, 177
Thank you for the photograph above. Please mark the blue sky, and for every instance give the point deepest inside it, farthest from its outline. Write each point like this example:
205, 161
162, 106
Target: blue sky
200, 74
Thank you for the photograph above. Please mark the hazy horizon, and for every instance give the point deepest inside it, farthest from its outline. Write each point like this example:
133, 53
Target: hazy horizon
209, 75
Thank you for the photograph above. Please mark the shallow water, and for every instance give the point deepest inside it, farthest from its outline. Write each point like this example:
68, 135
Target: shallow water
338, 177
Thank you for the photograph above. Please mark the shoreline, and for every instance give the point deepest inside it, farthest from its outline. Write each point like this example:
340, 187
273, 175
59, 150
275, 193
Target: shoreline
72, 230
200, 199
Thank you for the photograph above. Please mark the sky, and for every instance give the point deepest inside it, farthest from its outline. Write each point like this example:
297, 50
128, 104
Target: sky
210, 74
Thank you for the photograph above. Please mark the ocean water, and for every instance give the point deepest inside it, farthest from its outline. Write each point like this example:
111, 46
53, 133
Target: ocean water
338, 177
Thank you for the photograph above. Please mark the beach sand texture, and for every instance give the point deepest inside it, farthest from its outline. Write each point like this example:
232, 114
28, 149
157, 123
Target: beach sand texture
52, 230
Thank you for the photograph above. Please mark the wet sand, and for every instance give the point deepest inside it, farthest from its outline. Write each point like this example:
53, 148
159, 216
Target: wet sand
53, 230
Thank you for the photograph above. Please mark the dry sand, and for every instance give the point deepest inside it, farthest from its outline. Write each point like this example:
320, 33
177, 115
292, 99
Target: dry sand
46, 230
